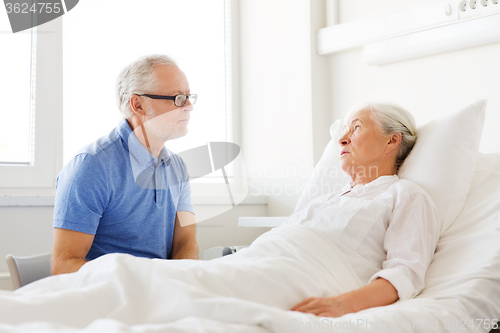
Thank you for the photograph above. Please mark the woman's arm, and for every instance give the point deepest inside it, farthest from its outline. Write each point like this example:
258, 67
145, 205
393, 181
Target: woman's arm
377, 293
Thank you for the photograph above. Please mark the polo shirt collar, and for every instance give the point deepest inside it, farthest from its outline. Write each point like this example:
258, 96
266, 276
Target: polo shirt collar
140, 158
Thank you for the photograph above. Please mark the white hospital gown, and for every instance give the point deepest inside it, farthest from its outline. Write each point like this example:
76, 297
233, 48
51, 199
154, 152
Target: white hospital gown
387, 228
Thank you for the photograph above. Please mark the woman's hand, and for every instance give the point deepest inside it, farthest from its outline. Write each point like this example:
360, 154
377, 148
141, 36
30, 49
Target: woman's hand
377, 293
324, 306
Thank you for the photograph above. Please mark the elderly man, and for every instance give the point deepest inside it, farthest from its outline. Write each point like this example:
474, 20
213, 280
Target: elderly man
126, 192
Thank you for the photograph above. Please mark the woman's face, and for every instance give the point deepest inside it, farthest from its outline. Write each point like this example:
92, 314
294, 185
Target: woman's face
363, 146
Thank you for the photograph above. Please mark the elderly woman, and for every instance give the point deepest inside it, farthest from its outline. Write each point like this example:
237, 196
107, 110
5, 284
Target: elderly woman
387, 227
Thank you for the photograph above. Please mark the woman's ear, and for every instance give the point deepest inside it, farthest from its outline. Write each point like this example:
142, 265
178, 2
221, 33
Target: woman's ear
394, 141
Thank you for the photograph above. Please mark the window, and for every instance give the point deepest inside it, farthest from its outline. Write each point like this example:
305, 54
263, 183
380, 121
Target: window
17, 86
32, 129
102, 37
99, 38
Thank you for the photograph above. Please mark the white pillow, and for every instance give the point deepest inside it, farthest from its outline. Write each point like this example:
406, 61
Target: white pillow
466, 265
442, 162
327, 176
444, 157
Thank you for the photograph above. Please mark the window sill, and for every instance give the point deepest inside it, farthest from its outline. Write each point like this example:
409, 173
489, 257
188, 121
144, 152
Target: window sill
48, 200
26, 201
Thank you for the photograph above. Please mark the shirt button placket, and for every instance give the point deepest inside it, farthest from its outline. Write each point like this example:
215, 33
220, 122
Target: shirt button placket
158, 185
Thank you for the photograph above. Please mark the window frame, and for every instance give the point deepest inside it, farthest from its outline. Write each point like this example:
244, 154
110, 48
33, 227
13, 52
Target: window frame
48, 116
216, 186
41, 177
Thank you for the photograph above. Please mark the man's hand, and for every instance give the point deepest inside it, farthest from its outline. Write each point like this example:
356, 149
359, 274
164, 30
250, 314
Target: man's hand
70, 249
184, 245
377, 293
324, 306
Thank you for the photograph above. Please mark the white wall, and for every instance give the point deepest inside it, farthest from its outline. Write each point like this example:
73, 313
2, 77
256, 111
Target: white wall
352, 10
275, 41
321, 84
24, 231
428, 87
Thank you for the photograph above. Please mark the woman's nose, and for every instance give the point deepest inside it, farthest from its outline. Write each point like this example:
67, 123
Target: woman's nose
344, 140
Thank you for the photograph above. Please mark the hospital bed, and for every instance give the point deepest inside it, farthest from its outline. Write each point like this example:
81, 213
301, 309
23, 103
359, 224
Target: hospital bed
463, 280
462, 285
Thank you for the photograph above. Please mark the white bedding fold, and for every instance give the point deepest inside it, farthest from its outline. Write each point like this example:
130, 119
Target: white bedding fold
255, 286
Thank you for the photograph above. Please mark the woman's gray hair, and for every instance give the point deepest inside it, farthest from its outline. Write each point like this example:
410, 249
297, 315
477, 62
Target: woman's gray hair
392, 118
138, 78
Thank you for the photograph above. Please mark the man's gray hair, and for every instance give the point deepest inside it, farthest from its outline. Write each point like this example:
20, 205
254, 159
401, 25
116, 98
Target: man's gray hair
138, 78
392, 118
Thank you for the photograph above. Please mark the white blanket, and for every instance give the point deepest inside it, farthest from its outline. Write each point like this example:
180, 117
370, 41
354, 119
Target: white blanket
250, 291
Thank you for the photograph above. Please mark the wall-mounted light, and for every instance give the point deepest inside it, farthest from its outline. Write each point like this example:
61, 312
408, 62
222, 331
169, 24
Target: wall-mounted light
431, 28
443, 39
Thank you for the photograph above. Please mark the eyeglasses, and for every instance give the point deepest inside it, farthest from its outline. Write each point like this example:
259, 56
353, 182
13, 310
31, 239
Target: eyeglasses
179, 100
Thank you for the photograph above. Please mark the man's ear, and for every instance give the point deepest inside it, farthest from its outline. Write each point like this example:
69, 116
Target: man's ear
394, 141
137, 105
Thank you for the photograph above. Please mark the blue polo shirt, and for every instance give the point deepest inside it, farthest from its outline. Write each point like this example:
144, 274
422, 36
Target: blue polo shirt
116, 190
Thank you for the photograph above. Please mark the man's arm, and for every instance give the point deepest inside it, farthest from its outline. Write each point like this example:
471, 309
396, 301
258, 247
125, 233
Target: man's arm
70, 249
377, 293
184, 245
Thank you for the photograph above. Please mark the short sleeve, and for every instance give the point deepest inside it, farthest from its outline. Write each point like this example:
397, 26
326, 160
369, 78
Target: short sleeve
82, 195
185, 203
410, 242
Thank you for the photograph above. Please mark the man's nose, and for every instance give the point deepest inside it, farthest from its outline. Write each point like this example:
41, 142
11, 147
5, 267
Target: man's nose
188, 106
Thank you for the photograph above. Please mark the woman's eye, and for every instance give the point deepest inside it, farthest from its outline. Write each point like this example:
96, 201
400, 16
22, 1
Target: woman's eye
356, 127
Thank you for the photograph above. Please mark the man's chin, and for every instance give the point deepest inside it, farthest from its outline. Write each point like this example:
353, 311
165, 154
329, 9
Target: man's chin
176, 135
